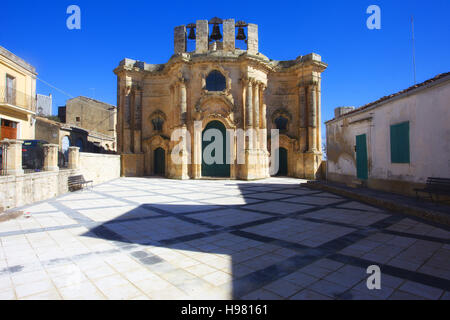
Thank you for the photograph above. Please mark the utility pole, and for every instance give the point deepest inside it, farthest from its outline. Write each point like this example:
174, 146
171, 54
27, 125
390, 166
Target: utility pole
414, 49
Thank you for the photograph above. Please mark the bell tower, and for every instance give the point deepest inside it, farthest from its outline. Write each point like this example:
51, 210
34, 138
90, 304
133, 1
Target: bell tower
208, 36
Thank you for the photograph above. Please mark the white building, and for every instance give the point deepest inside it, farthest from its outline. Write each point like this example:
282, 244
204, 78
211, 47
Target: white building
43, 105
395, 143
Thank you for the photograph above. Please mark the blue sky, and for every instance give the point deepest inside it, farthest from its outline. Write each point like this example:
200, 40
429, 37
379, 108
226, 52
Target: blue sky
364, 64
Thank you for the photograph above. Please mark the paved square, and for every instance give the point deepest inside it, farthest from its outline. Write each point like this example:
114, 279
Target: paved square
151, 238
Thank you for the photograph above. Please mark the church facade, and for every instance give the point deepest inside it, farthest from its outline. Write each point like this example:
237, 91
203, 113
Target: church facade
225, 84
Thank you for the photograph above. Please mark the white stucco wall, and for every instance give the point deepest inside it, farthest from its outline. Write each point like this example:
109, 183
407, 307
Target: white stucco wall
428, 111
99, 167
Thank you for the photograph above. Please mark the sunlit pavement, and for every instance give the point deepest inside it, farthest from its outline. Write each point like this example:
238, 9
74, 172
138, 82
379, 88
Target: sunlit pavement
150, 238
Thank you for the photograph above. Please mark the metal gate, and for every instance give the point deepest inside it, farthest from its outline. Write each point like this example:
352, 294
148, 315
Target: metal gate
3, 160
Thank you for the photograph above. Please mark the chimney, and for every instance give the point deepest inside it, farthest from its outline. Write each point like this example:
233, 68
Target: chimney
340, 111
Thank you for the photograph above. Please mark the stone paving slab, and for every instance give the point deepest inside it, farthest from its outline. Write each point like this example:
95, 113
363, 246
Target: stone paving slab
152, 238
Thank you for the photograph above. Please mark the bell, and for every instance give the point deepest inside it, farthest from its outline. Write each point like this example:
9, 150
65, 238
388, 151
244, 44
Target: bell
191, 34
241, 34
215, 35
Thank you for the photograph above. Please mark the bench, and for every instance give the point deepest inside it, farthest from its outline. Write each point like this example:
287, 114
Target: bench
436, 186
78, 182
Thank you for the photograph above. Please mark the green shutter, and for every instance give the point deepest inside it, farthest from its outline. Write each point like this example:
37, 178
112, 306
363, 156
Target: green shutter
400, 143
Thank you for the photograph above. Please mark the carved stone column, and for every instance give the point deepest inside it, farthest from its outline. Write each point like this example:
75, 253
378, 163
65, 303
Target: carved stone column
120, 107
183, 100
249, 115
312, 125
132, 118
303, 133
51, 157
137, 116
126, 123
74, 158
256, 108
249, 104
256, 119
263, 117
13, 157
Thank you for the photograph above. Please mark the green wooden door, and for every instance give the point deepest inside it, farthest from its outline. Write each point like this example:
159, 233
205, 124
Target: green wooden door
216, 169
362, 170
283, 159
159, 161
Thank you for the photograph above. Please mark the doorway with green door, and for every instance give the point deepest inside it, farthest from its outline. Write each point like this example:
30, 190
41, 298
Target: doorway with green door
283, 162
159, 162
362, 168
215, 149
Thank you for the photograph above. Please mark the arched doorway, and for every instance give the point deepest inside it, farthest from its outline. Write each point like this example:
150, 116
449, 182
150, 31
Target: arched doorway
65, 144
283, 158
214, 163
159, 161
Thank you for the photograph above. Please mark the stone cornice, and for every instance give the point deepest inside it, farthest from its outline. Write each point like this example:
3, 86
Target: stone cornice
259, 61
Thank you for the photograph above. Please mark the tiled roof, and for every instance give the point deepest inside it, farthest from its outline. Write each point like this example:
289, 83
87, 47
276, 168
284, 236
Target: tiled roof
429, 81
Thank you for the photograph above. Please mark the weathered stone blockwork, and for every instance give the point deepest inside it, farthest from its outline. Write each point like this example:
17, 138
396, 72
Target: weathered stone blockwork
21, 189
257, 92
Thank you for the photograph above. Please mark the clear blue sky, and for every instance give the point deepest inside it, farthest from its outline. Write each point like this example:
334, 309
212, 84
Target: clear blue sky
364, 64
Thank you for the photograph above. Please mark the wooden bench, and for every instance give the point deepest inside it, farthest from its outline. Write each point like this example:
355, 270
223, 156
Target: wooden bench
78, 182
437, 186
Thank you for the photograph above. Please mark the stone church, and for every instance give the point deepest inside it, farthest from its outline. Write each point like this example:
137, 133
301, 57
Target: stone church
223, 82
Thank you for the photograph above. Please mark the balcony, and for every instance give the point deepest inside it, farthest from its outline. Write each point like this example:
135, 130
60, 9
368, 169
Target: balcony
17, 100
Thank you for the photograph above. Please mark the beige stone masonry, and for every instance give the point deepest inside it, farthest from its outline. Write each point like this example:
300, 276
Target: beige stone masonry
180, 39
51, 157
202, 41
74, 158
229, 31
13, 156
252, 41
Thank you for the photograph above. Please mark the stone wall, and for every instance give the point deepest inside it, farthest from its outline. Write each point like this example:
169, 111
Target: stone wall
23, 189
99, 167
16, 191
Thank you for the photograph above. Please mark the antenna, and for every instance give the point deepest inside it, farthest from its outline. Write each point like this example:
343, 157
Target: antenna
93, 92
413, 48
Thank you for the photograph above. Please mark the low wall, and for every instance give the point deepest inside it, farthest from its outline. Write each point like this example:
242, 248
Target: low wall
16, 191
394, 186
99, 167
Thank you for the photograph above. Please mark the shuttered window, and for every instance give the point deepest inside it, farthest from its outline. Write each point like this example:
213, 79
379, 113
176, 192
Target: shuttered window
400, 143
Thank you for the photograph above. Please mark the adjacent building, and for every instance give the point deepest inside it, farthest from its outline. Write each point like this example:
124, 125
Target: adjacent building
17, 97
44, 105
83, 122
395, 143
218, 86
98, 119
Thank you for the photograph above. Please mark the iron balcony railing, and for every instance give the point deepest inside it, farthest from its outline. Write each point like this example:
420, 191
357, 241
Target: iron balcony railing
17, 98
